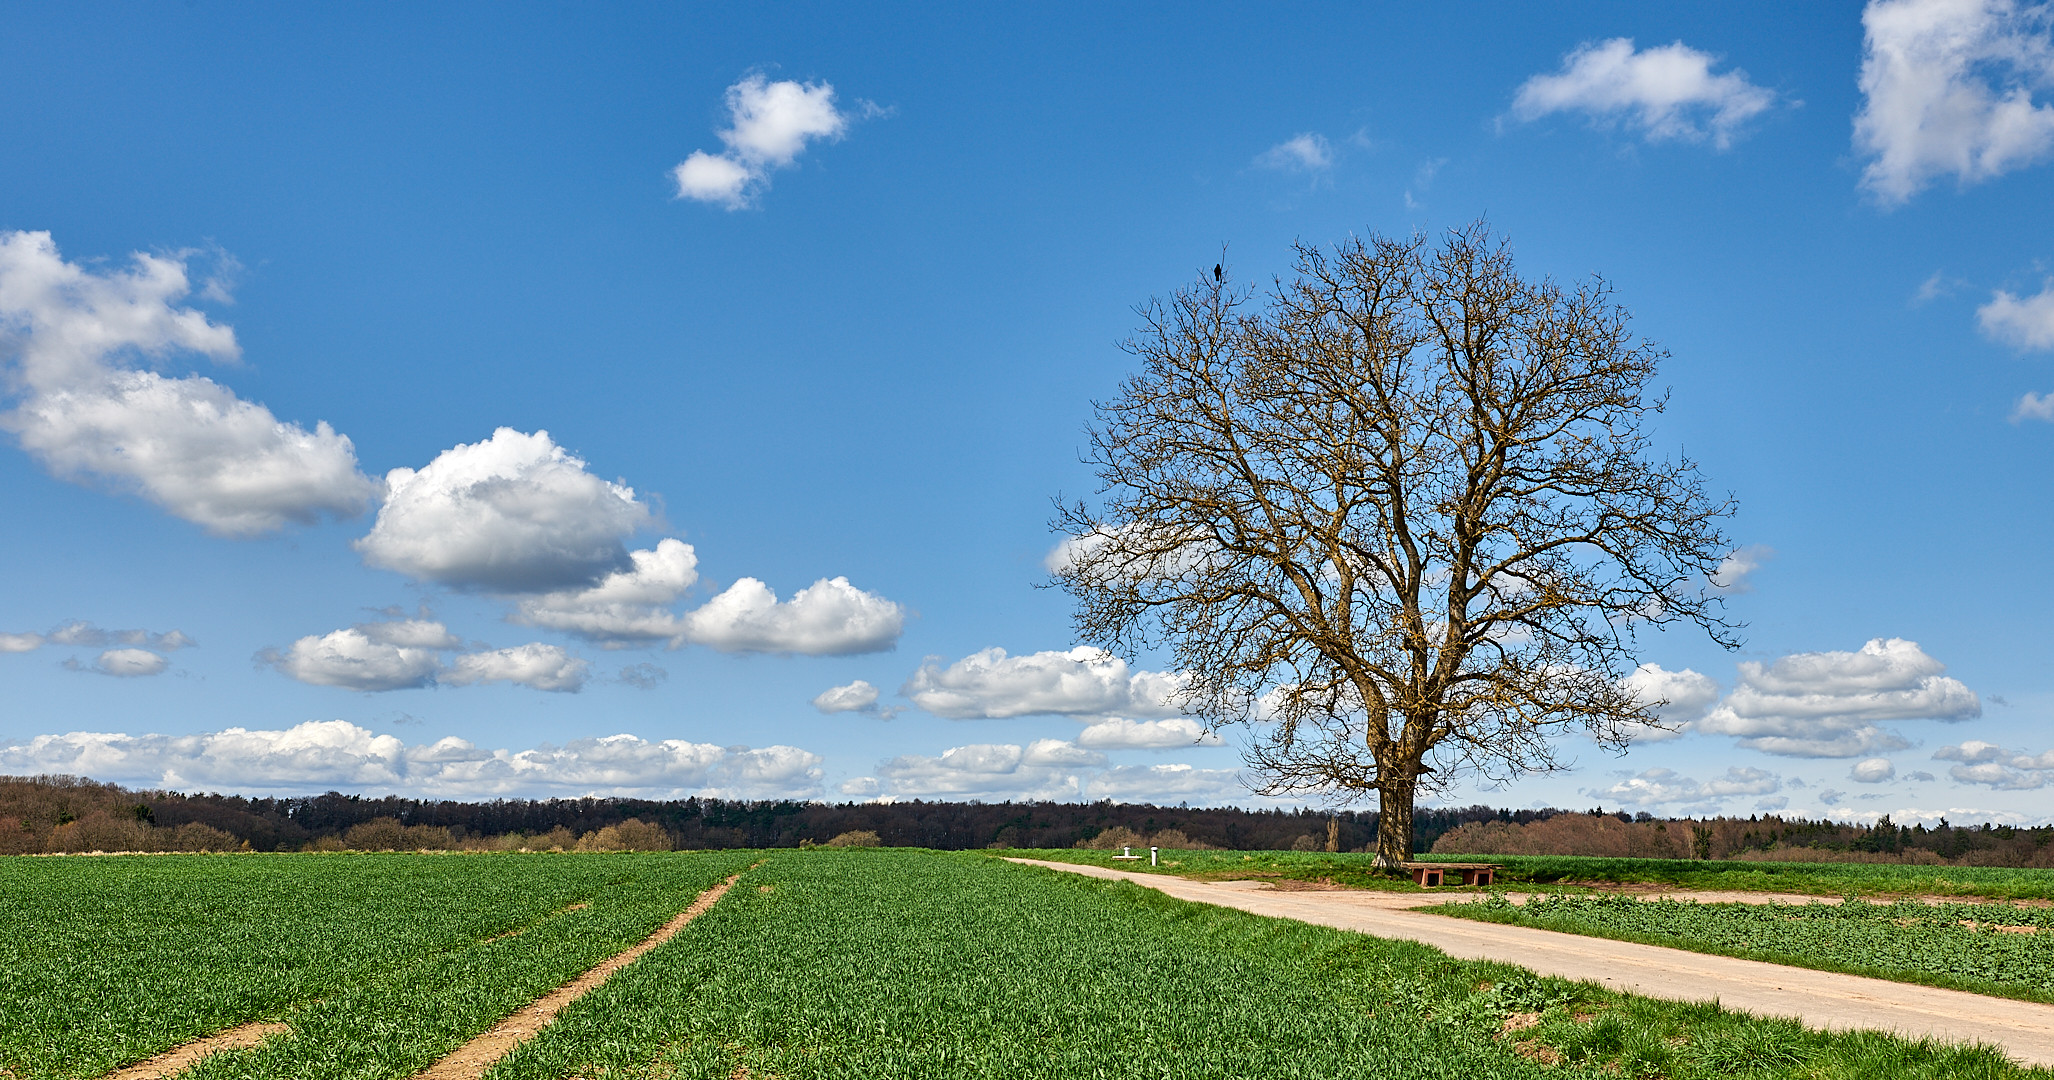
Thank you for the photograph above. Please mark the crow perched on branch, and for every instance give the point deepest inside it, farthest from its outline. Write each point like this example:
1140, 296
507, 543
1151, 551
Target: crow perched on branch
1218, 272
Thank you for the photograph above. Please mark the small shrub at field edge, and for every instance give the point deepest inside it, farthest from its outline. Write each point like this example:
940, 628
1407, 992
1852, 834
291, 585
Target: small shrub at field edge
1114, 839
387, 834
633, 834
557, 839
1119, 836
854, 838
102, 831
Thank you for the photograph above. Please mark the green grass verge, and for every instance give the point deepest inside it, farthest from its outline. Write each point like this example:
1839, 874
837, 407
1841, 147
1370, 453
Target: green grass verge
1908, 941
105, 961
1570, 872
909, 964
1817, 879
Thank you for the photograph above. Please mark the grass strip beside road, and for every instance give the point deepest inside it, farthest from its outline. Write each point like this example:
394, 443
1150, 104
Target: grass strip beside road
1583, 873
1810, 878
901, 964
1995, 949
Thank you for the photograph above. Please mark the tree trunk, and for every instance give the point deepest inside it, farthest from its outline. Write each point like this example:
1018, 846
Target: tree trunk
1394, 820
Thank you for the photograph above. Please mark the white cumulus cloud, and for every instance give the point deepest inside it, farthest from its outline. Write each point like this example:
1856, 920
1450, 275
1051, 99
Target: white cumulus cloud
405, 654
70, 342
534, 665
1993, 766
2022, 322
1684, 696
1081, 682
513, 513
1118, 733
1162, 783
1971, 752
1873, 770
1147, 552
1044, 769
1667, 91
420, 633
354, 660
714, 178
626, 606
1948, 88
1827, 704
827, 618
770, 772
335, 754
770, 123
858, 696
1666, 787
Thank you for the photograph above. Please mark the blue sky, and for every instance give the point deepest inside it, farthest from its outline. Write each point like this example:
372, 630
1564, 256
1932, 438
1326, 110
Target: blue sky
826, 296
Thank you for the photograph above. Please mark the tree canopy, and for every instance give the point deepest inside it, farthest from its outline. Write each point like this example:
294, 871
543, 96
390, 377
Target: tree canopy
1399, 512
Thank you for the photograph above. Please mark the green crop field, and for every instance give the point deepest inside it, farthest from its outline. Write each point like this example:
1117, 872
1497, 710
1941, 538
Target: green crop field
377, 960
1984, 948
825, 963
888, 963
1558, 871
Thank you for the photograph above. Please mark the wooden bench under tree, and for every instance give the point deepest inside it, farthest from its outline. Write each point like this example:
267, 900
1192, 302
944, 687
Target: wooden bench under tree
1431, 875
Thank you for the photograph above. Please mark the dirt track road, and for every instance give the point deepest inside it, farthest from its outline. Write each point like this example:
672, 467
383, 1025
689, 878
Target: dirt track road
1819, 999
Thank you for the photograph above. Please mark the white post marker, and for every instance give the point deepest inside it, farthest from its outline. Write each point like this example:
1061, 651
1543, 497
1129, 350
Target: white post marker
1126, 853
1151, 856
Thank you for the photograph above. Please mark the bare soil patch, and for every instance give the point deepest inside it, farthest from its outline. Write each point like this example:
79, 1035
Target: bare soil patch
1322, 885
469, 1061
180, 1058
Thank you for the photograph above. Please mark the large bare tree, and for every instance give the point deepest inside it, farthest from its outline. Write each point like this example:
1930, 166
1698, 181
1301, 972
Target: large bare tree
1398, 513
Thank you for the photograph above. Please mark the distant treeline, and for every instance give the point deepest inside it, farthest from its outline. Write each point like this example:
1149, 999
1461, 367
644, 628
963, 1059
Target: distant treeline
71, 814
66, 813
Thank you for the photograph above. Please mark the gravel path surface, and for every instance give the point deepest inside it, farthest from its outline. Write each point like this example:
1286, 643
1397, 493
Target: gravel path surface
1819, 999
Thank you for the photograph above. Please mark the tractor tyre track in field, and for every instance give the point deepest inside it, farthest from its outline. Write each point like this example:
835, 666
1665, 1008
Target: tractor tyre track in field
180, 1058
1818, 999
245, 1036
470, 1060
